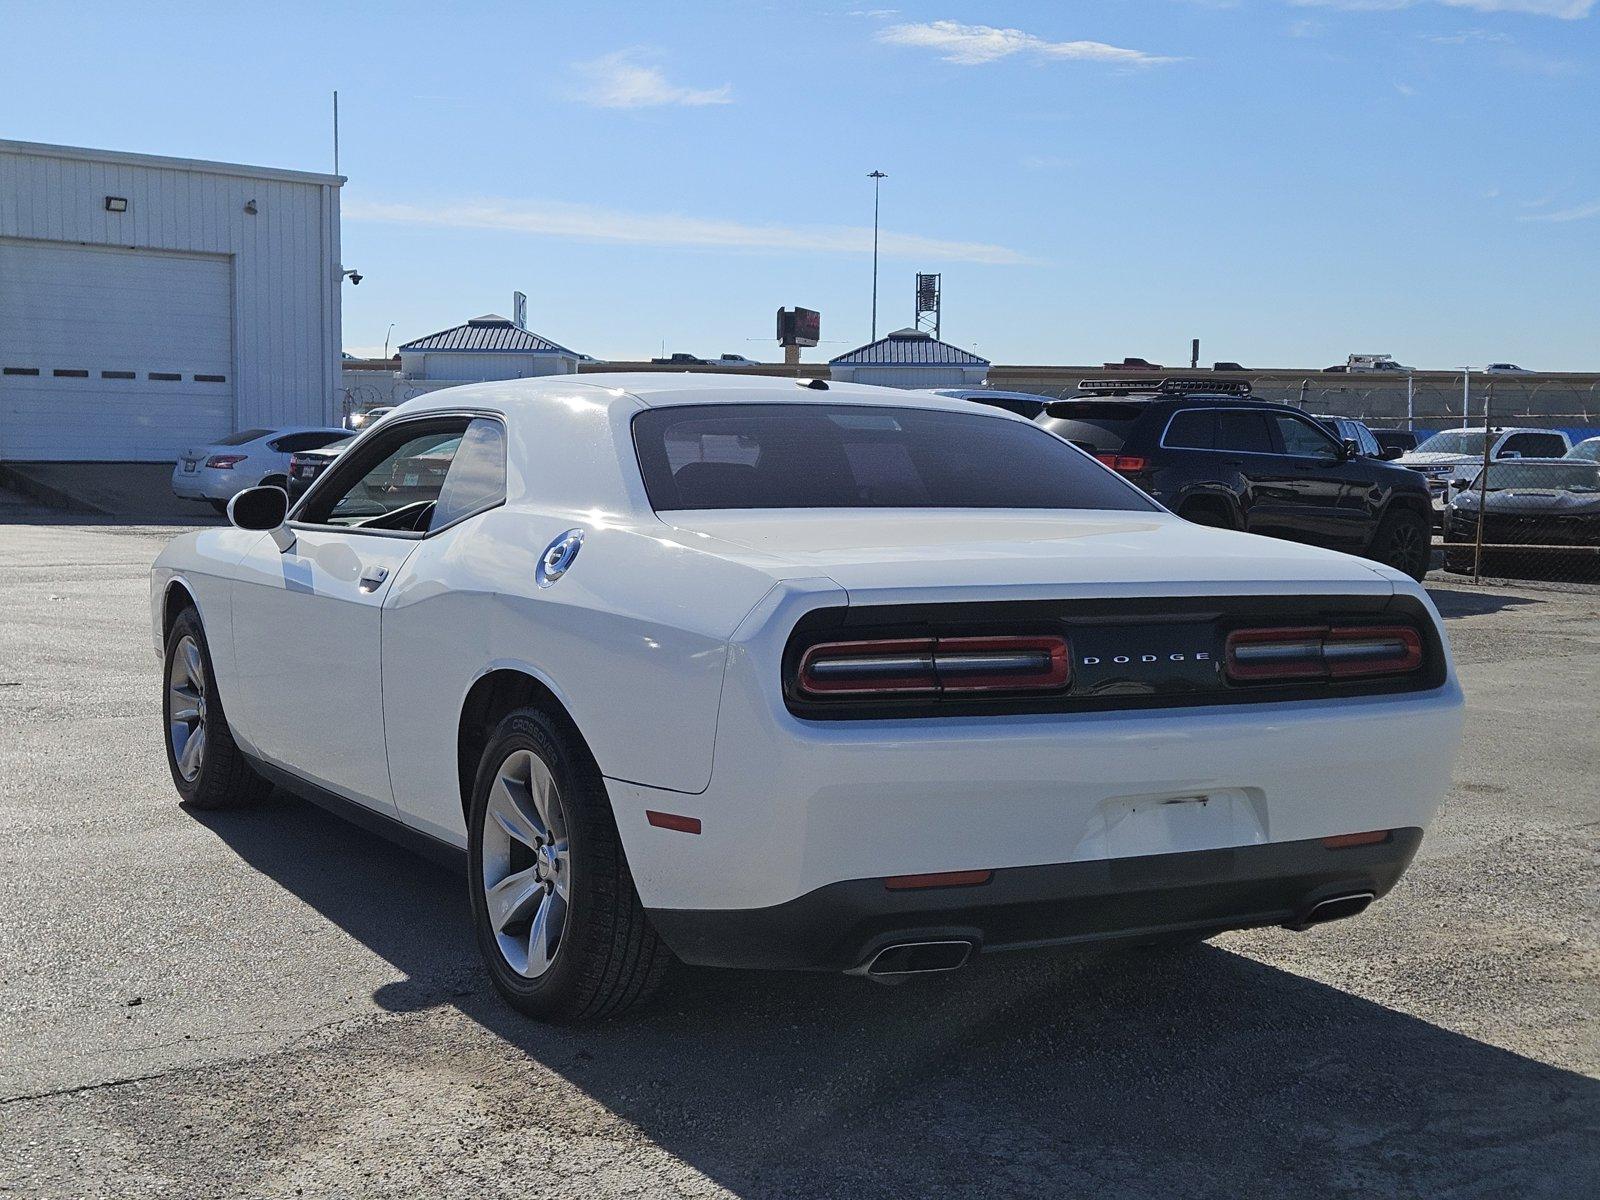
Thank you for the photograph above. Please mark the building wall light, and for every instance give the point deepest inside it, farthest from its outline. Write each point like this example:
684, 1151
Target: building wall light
116, 204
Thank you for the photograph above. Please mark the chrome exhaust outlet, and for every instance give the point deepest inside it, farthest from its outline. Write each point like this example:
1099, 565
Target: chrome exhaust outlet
1336, 908
916, 958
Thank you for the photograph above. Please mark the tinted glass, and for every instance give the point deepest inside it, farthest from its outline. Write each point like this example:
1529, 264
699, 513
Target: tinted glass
1535, 445
1588, 449
310, 440
477, 478
1193, 429
409, 473
243, 436
849, 456
1302, 438
1567, 477
1243, 432
1096, 426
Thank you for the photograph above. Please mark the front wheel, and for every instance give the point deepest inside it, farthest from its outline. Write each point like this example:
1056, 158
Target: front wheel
554, 908
207, 767
1404, 541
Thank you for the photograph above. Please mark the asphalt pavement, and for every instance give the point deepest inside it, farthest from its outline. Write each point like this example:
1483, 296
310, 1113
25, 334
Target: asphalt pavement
271, 1003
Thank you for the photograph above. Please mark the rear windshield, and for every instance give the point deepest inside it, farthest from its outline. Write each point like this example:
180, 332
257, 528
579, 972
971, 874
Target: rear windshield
1096, 426
243, 436
738, 456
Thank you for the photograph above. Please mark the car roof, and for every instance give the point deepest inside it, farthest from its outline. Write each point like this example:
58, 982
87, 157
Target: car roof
994, 393
664, 389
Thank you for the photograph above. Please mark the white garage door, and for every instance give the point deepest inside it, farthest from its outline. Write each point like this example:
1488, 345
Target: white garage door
112, 355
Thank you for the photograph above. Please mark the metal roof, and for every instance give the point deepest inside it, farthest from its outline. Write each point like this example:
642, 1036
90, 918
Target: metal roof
909, 346
490, 333
164, 162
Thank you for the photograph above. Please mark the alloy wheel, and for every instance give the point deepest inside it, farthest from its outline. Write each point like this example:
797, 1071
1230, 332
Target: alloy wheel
186, 708
527, 864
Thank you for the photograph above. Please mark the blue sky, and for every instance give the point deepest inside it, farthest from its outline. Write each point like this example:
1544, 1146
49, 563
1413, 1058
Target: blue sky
1289, 180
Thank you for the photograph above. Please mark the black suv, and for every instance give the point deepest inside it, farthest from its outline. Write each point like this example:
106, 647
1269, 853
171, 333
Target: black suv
1216, 457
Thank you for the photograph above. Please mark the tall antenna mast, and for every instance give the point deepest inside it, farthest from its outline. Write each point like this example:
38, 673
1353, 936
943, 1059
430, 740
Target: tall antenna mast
877, 177
335, 131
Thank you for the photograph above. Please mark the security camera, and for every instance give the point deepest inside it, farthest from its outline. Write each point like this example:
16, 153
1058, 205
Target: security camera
354, 277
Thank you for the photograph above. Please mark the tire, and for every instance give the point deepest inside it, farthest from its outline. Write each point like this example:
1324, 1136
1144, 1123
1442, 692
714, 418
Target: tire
210, 773
1404, 541
541, 819
221, 507
281, 482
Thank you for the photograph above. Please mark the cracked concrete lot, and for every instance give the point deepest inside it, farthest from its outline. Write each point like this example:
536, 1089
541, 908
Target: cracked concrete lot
272, 1003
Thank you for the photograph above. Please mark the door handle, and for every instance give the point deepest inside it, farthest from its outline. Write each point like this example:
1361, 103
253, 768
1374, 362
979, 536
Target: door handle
372, 578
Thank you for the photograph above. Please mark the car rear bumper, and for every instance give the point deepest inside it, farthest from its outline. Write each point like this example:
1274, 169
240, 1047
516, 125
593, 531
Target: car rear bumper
842, 926
206, 483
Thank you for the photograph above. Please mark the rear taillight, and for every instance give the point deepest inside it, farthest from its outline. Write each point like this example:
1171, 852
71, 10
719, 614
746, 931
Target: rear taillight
1320, 652
933, 666
1126, 463
225, 461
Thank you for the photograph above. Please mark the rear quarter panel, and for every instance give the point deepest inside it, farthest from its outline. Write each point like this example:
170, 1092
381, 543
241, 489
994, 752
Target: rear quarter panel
632, 640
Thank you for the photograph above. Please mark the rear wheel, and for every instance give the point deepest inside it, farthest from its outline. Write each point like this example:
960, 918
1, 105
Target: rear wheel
554, 908
1404, 541
207, 767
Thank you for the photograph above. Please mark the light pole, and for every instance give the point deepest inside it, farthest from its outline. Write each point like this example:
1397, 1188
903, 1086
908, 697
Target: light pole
877, 177
386, 334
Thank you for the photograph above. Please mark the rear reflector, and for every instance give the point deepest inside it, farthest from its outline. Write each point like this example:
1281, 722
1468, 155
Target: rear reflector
930, 666
663, 820
939, 879
1318, 652
1356, 839
1124, 462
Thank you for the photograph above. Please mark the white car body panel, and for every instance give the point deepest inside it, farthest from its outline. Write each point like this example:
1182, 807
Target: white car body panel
663, 644
259, 461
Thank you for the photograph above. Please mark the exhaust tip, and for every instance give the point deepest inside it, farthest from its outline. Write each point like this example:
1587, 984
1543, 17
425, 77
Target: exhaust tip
1337, 908
918, 958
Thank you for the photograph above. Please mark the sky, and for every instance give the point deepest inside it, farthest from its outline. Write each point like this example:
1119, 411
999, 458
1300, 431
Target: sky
1291, 181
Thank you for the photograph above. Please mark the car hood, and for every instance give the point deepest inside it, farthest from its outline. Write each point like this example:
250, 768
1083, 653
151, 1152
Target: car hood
1437, 460
999, 553
1533, 500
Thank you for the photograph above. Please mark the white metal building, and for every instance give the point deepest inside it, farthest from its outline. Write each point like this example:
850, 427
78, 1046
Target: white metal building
148, 303
910, 358
485, 348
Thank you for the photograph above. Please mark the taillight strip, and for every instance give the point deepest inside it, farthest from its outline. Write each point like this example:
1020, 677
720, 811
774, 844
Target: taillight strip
1262, 655
924, 666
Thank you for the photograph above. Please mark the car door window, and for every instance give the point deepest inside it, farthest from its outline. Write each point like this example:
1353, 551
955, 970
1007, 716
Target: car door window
1243, 432
477, 476
1192, 429
393, 482
1302, 439
292, 443
1366, 442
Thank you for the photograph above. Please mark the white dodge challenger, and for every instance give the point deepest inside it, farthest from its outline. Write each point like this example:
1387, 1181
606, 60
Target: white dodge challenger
766, 673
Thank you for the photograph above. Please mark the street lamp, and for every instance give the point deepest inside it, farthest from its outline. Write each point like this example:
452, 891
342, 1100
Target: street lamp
877, 177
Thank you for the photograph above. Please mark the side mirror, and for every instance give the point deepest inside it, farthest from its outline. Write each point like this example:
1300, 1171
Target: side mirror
1349, 448
1460, 485
1390, 453
259, 508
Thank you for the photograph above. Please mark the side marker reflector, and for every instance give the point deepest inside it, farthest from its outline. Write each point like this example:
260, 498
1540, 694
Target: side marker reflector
939, 879
1356, 839
663, 820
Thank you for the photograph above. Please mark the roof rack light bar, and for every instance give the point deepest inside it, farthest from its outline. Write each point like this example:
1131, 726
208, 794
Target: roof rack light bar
1168, 387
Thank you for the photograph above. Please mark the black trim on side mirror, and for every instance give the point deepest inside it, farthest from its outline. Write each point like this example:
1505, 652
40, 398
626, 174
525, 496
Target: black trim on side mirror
259, 508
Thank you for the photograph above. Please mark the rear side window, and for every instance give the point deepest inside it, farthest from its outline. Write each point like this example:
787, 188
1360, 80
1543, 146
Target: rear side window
1192, 429
1243, 432
477, 478
309, 440
765, 456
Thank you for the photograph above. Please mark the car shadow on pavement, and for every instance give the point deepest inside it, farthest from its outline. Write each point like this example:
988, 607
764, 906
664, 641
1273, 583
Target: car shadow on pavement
1459, 602
1199, 1072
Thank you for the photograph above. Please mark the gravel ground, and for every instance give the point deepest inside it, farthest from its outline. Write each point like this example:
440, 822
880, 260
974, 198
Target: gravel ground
272, 1003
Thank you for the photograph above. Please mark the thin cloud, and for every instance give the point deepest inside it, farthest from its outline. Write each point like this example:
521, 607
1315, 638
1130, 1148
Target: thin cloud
1465, 37
1579, 212
1566, 10
978, 45
581, 222
624, 80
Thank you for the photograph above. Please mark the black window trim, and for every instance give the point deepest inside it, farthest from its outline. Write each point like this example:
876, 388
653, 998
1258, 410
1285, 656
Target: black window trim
332, 472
